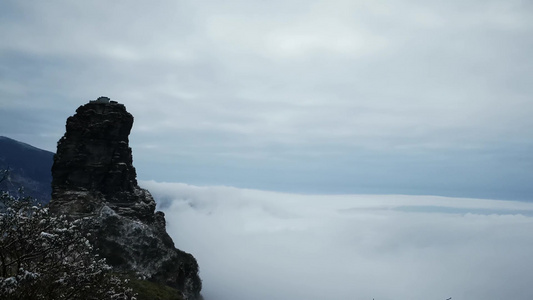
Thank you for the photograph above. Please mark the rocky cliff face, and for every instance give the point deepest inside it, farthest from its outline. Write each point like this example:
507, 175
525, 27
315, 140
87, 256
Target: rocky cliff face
94, 178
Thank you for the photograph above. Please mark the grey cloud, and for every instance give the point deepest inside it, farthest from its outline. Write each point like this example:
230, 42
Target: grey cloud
263, 79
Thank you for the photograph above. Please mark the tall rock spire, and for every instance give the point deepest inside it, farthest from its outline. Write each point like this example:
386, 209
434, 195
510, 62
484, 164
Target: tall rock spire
94, 153
94, 161
94, 178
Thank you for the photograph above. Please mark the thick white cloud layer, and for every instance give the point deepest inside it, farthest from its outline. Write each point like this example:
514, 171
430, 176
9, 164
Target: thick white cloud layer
253, 244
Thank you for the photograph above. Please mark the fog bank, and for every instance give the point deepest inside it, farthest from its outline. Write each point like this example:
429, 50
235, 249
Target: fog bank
264, 245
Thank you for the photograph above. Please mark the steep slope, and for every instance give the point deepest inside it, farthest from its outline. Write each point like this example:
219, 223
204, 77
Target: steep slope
29, 167
94, 178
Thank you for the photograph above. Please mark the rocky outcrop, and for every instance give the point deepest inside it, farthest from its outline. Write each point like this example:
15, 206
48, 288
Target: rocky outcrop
94, 178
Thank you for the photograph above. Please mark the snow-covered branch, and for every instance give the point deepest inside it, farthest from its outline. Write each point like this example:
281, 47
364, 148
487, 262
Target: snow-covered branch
43, 256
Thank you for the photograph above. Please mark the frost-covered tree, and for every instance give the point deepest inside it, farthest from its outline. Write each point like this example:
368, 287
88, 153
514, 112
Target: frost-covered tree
44, 256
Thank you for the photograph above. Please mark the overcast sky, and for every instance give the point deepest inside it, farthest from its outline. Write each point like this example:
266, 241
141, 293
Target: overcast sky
336, 96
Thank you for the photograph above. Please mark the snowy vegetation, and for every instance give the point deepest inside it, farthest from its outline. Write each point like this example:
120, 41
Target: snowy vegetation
43, 256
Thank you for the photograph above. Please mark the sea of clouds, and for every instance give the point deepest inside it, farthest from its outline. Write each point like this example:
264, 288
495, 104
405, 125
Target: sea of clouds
262, 245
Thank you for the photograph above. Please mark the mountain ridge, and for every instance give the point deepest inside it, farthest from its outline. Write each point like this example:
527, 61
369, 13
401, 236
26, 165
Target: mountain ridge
28, 168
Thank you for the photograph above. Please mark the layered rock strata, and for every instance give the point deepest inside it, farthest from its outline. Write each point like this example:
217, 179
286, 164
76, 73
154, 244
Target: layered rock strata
94, 178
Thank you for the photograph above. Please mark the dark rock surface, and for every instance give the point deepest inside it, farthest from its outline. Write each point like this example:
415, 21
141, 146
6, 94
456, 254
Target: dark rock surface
94, 178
